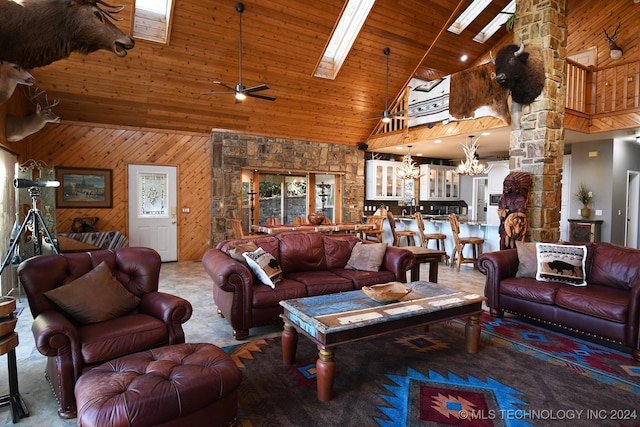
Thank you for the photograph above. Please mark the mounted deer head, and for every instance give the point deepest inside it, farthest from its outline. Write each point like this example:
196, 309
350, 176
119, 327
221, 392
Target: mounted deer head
19, 127
615, 51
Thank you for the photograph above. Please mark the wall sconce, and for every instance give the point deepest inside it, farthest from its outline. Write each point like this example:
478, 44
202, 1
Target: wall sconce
615, 51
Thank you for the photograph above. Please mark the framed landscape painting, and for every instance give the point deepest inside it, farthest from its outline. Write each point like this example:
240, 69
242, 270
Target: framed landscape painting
84, 188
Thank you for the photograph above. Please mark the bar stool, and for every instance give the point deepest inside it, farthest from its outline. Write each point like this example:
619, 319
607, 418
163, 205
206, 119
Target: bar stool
398, 235
8, 344
460, 242
425, 237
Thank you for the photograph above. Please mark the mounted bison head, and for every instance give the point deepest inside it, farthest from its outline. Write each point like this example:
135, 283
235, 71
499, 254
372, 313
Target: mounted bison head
35, 33
520, 70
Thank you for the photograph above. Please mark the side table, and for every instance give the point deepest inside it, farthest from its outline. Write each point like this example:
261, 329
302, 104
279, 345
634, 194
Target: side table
425, 255
8, 344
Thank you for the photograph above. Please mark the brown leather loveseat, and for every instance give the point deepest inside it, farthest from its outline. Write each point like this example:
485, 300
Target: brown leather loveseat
607, 307
312, 264
73, 347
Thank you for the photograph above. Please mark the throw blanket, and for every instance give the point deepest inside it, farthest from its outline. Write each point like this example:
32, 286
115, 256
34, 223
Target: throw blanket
101, 239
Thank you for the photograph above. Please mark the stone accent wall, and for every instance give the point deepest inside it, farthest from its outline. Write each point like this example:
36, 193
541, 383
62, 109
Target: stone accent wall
537, 140
233, 151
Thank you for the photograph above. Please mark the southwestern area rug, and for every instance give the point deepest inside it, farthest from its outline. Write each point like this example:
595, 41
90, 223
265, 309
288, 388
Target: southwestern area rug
523, 375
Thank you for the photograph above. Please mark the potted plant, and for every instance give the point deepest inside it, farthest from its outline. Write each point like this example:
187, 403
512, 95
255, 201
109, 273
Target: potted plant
584, 196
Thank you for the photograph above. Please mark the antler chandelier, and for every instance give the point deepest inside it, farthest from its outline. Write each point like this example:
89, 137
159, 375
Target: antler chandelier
471, 165
409, 169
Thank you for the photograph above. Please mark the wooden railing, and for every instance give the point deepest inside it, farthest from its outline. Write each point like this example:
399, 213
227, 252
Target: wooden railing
603, 90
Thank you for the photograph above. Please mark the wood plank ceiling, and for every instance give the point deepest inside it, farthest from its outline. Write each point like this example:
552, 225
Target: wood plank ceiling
160, 86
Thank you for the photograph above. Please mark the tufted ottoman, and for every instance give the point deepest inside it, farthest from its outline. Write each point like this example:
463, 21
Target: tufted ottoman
176, 385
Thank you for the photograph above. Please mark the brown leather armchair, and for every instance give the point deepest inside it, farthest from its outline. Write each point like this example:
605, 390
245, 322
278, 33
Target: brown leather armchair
72, 348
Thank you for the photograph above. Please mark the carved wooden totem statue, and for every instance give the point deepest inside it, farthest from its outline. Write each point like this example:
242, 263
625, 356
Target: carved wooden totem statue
512, 207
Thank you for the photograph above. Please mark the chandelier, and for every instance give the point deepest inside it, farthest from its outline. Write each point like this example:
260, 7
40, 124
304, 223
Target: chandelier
471, 165
409, 169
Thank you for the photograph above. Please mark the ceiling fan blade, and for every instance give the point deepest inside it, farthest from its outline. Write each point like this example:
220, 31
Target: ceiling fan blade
226, 86
256, 88
217, 93
253, 95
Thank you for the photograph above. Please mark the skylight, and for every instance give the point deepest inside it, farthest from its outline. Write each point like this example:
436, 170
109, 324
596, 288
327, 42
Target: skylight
151, 20
468, 16
344, 34
496, 23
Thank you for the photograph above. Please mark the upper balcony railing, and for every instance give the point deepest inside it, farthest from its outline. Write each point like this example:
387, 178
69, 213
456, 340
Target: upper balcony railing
606, 90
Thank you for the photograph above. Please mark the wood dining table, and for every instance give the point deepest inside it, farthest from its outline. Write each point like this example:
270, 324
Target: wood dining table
343, 227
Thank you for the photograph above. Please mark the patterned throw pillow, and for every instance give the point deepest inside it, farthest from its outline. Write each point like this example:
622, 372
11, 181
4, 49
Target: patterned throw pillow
366, 256
265, 266
561, 263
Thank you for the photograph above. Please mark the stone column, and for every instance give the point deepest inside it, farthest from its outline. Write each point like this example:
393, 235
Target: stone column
537, 138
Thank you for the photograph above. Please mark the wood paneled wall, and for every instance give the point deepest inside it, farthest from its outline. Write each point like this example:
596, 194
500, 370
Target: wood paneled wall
86, 146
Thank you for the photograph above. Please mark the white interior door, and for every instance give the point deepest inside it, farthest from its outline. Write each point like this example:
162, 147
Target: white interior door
152, 209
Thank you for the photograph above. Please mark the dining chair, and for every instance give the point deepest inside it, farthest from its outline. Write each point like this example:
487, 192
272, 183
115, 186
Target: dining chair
273, 220
376, 232
238, 231
457, 256
425, 237
399, 234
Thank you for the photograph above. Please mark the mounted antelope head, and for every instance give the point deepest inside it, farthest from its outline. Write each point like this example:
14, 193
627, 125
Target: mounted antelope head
19, 127
615, 51
11, 76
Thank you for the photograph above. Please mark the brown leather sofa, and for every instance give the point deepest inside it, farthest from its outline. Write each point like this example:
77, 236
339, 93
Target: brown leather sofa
72, 348
607, 307
312, 264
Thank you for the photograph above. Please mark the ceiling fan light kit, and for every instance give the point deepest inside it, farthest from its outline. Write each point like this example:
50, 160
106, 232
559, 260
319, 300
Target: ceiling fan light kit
240, 91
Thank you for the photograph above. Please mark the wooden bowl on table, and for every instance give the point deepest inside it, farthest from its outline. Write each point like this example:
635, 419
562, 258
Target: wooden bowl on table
387, 292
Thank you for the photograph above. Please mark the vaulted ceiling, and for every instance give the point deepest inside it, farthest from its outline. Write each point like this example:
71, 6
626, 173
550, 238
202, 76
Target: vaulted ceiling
160, 86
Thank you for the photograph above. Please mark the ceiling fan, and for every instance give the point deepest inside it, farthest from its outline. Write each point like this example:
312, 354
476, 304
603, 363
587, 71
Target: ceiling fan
240, 91
386, 115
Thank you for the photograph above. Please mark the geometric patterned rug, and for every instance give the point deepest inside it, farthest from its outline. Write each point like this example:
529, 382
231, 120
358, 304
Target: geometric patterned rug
523, 375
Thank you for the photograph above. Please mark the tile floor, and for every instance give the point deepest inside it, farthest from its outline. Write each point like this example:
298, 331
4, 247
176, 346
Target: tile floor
187, 279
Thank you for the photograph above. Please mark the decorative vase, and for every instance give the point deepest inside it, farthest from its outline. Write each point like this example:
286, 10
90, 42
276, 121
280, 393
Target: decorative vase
585, 212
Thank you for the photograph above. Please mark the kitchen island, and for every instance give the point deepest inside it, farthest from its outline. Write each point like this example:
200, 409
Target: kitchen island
440, 224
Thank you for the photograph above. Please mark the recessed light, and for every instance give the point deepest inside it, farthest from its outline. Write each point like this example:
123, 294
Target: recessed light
437, 141
399, 147
485, 133
463, 58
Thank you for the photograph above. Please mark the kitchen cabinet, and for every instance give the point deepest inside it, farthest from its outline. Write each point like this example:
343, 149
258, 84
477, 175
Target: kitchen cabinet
383, 182
439, 183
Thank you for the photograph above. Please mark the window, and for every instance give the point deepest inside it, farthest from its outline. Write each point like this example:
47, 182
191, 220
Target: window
344, 34
151, 20
274, 196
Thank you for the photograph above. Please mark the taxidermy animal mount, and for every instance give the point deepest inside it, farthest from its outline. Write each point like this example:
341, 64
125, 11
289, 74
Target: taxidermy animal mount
18, 128
35, 33
11, 76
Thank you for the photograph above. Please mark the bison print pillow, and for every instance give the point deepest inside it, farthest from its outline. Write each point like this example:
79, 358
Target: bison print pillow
561, 263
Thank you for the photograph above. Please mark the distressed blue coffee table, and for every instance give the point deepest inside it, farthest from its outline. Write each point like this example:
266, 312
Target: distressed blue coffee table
335, 319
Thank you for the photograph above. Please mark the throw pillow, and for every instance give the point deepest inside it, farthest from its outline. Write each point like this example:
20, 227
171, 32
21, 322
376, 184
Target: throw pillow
236, 251
366, 256
527, 259
94, 297
561, 263
265, 266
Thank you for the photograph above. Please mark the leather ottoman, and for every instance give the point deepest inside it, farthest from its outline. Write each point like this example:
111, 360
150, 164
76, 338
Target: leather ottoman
175, 385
